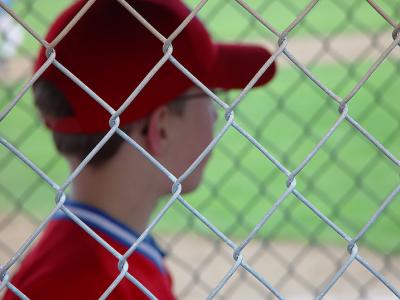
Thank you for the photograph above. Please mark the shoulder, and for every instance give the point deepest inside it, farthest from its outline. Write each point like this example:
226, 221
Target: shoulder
65, 262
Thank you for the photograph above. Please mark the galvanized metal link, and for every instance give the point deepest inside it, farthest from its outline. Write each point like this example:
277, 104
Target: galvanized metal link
238, 255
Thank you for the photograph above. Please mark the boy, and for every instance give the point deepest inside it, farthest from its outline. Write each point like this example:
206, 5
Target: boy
111, 52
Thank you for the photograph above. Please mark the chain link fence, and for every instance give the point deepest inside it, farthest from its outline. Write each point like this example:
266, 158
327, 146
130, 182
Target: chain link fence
301, 198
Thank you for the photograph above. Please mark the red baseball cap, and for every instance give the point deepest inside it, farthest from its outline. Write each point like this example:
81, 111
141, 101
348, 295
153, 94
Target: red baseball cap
111, 52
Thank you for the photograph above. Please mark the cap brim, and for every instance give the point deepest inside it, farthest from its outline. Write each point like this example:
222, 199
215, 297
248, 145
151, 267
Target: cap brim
237, 64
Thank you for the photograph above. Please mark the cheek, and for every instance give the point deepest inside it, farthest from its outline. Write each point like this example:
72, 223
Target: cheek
204, 135
202, 140
199, 137
194, 141
198, 133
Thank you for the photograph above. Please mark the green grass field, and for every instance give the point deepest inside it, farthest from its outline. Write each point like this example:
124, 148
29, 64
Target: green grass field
241, 184
346, 180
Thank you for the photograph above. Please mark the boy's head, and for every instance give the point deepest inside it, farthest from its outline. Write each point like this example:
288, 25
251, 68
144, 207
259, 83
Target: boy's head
111, 52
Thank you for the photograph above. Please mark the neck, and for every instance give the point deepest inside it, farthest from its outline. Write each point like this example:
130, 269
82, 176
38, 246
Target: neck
128, 198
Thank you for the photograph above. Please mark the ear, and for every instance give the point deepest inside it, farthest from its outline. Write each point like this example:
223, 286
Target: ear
156, 135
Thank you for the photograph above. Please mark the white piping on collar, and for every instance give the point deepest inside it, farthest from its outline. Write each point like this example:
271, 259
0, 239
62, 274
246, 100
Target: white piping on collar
115, 231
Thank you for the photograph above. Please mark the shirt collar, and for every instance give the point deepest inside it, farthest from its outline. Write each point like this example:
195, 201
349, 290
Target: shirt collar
118, 231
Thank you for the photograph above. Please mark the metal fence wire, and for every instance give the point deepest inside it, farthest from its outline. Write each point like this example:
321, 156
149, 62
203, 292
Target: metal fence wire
247, 257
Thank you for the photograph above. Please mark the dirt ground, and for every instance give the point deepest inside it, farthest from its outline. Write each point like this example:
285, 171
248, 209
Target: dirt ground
296, 270
344, 48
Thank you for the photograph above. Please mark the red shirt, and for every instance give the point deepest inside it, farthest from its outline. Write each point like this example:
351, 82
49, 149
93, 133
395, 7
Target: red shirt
67, 263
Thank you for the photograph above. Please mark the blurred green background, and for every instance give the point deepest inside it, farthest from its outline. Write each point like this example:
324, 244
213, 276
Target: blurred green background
347, 180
